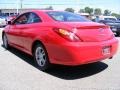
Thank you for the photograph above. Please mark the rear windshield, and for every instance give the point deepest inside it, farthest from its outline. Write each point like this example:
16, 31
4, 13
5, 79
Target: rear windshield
67, 17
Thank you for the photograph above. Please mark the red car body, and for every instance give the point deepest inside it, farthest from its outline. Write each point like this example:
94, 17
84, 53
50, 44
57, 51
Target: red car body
93, 42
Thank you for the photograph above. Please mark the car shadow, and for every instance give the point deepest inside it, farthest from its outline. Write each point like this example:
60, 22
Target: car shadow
65, 72
77, 72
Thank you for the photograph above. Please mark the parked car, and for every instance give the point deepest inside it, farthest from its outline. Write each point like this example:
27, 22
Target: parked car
2, 21
59, 37
11, 17
118, 19
112, 18
114, 25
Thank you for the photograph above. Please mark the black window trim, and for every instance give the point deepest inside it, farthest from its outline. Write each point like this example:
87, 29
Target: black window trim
13, 23
19, 17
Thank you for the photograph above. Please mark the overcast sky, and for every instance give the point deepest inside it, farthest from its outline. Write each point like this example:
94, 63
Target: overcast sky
113, 5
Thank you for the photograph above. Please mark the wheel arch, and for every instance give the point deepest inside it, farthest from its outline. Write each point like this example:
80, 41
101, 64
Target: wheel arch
35, 43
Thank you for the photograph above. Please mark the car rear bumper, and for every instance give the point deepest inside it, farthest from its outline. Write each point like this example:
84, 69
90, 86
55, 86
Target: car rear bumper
82, 52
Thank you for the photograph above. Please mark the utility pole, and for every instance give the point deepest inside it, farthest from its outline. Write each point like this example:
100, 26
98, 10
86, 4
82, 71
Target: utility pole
21, 4
17, 6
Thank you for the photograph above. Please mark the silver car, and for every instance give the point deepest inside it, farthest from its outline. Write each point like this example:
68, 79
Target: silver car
2, 21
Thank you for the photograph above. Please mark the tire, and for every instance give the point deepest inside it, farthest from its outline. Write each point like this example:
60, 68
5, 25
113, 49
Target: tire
5, 42
41, 57
117, 34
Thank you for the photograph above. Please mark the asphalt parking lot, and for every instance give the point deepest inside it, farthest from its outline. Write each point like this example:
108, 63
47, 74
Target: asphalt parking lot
18, 72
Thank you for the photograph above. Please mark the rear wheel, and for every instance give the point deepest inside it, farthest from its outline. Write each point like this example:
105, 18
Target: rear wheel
41, 57
5, 41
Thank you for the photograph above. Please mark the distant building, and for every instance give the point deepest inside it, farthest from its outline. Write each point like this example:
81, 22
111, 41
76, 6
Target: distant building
9, 12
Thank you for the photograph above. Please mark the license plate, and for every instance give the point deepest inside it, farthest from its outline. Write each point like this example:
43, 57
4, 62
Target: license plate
106, 50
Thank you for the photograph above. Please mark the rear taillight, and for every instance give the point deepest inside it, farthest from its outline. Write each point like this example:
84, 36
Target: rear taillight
67, 35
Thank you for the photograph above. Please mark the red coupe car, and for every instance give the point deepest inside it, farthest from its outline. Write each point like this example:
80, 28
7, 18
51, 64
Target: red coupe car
59, 37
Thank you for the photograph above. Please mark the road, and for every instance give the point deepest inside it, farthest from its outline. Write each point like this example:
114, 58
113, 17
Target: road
18, 72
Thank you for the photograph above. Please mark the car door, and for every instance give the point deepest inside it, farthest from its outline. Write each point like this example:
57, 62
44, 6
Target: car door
28, 34
16, 29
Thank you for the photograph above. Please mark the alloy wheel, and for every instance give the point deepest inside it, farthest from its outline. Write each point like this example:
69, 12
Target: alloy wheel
40, 56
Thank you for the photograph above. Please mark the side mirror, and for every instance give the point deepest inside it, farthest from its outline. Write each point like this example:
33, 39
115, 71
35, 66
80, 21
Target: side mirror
9, 22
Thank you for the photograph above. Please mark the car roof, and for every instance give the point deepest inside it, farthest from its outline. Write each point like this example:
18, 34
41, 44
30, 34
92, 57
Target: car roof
46, 11
103, 17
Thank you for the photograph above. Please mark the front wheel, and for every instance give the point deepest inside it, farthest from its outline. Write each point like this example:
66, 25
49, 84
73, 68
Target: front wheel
5, 42
117, 34
41, 57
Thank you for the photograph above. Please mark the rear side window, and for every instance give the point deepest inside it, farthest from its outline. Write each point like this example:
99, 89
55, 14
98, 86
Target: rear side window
34, 18
66, 16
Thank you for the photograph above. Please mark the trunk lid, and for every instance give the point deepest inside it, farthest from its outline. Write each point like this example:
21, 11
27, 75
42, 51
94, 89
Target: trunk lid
90, 31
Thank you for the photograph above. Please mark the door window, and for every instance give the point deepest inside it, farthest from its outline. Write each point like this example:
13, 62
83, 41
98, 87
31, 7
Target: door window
23, 19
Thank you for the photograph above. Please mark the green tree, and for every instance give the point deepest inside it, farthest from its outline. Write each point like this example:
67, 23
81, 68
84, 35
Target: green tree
116, 15
70, 10
97, 11
49, 8
107, 12
81, 11
88, 10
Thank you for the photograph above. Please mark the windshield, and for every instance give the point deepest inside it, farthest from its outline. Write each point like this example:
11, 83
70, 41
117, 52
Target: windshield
111, 19
67, 17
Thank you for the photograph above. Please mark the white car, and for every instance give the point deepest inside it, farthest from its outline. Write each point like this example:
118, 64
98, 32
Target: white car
2, 21
113, 18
